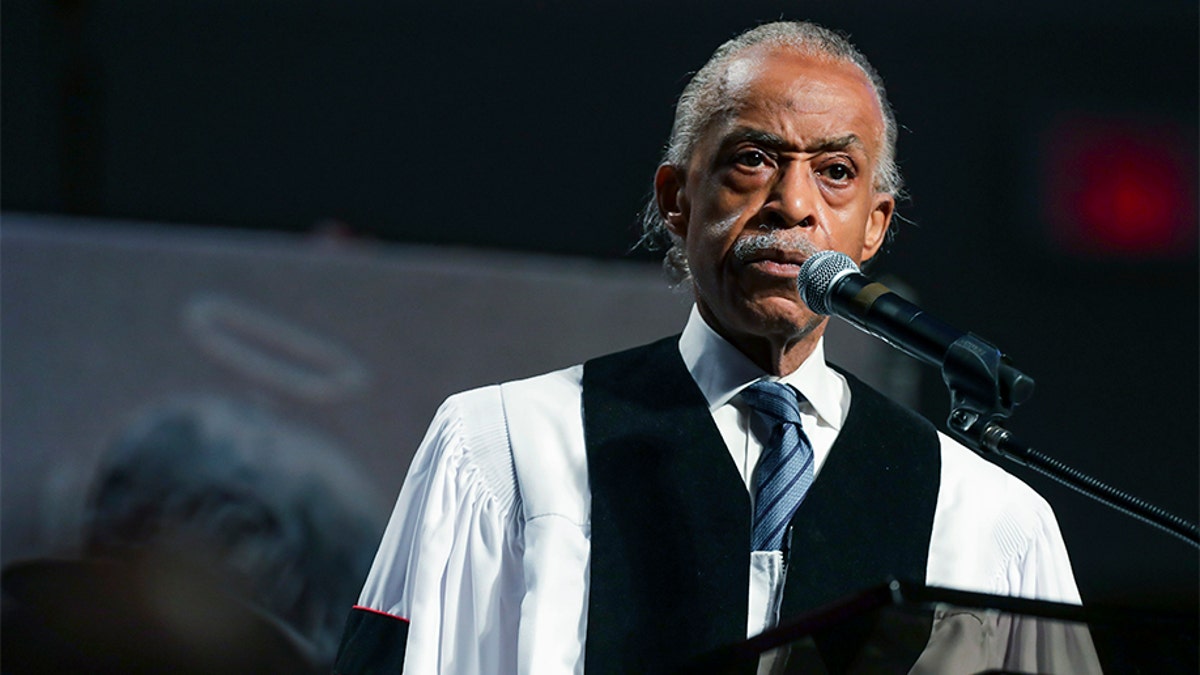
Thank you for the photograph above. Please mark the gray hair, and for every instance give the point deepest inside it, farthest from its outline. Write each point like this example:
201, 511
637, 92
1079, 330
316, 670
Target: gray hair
702, 101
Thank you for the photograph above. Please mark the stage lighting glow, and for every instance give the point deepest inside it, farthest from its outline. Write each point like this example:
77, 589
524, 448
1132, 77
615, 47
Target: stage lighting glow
1122, 188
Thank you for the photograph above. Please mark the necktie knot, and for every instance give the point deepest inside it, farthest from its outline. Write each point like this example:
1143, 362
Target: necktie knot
775, 402
785, 468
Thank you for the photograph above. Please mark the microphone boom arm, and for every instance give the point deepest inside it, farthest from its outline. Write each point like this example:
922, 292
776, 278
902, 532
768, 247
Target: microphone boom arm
984, 389
984, 386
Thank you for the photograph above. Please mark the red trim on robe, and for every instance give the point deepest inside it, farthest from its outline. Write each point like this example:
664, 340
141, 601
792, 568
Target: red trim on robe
380, 612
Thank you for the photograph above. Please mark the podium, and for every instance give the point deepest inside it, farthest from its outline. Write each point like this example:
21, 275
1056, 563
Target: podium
907, 628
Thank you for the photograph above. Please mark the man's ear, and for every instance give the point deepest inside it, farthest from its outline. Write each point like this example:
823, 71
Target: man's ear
878, 222
671, 200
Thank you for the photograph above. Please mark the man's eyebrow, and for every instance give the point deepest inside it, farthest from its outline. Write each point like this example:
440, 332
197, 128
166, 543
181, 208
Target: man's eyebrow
835, 144
775, 141
758, 136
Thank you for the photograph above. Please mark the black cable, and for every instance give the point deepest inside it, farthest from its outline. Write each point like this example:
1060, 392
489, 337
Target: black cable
1002, 442
1118, 499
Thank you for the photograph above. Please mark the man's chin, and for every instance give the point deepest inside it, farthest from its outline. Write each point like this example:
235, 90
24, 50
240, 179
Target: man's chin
787, 318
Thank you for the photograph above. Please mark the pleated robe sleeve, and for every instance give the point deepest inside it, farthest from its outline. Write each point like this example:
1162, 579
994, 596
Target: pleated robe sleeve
444, 593
994, 534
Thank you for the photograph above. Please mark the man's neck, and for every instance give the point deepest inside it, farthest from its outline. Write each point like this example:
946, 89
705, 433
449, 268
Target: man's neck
777, 354
781, 357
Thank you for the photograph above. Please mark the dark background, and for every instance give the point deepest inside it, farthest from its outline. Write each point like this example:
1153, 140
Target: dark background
536, 126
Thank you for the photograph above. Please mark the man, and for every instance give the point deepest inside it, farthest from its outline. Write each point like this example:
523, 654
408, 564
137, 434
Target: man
609, 515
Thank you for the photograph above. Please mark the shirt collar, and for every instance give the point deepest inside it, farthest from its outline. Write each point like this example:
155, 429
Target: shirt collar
721, 372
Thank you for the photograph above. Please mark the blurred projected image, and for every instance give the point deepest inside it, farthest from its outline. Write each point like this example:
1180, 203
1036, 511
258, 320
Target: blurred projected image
147, 528
218, 538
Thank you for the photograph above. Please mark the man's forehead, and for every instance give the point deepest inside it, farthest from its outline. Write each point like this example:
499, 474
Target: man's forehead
779, 81
741, 71
792, 70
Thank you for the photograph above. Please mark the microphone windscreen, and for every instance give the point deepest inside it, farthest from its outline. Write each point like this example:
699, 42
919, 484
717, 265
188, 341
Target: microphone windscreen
817, 277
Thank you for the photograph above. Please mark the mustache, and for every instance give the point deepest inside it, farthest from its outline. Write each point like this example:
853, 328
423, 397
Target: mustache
752, 247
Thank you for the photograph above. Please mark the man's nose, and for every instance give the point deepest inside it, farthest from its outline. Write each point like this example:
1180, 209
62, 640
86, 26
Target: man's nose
792, 200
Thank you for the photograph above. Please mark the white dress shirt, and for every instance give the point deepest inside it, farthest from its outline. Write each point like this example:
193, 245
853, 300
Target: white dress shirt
488, 548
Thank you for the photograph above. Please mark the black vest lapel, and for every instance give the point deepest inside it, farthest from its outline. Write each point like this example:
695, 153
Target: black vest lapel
867, 517
869, 514
670, 517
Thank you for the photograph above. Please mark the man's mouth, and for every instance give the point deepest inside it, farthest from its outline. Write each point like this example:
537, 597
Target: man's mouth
768, 255
774, 262
773, 267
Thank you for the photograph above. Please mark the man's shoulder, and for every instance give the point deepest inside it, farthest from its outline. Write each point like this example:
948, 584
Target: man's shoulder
966, 476
564, 381
864, 395
993, 533
967, 467
988, 494
552, 386
492, 397
641, 352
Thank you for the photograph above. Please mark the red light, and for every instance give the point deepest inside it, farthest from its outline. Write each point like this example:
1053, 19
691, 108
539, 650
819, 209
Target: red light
1123, 188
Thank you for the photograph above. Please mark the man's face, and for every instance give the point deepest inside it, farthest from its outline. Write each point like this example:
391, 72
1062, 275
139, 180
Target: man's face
789, 172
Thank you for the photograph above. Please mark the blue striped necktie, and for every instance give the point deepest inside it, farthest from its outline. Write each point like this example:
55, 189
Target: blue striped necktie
785, 468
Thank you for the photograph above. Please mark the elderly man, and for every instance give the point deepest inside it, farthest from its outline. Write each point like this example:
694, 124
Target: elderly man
641, 509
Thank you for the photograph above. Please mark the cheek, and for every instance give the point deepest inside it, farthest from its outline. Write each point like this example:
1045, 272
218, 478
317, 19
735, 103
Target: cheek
723, 229
710, 246
850, 232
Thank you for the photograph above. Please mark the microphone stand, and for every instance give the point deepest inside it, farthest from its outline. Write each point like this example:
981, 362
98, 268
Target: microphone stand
984, 390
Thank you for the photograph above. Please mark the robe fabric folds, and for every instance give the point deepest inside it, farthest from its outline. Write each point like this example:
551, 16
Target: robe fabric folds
599, 516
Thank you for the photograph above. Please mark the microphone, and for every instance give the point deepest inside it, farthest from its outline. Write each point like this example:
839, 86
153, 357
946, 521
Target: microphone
830, 283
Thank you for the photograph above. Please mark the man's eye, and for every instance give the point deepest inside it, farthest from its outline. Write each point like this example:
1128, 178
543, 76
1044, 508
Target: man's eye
838, 172
751, 158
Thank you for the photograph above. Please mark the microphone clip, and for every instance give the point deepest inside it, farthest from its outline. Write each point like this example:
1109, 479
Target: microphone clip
984, 389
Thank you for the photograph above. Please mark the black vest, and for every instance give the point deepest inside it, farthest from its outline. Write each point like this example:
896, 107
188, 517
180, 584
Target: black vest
671, 517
